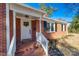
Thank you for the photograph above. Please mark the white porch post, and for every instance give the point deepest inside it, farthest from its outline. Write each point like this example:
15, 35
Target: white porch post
40, 23
12, 47
50, 26
7, 27
14, 27
63, 27
54, 27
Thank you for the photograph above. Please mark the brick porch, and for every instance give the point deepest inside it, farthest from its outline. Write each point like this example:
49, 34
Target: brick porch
29, 48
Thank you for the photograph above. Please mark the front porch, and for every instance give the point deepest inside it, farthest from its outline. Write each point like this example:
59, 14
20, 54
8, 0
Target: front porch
29, 48
25, 36
26, 40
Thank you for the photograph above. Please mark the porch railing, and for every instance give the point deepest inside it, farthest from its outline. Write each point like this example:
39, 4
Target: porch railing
12, 48
43, 41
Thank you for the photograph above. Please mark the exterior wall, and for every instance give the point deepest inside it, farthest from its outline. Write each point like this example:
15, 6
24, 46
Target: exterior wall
3, 48
36, 28
52, 35
34, 24
58, 33
11, 24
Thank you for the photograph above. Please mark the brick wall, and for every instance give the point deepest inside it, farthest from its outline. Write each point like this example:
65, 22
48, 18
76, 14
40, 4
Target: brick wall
11, 24
36, 28
3, 29
33, 30
50, 36
56, 34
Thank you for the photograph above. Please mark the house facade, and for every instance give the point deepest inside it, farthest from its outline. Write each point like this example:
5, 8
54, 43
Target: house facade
19, 22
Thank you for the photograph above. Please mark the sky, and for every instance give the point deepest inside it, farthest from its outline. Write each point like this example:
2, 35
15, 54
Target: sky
61, 12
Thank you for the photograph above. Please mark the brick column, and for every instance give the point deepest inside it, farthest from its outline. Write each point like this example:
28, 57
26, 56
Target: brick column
3, 29
11, 24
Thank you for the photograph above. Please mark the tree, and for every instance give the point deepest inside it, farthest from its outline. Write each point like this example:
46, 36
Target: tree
48, 9
73, 8
74, 27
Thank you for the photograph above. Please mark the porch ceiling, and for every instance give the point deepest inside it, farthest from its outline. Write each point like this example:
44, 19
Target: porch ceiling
25, 10
19, 15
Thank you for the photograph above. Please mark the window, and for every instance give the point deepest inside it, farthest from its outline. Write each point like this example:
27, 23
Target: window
45, 25
62, 27
52, 26
48, 26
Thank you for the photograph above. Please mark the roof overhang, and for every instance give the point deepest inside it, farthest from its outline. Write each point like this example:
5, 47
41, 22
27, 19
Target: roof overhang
26, 6
50, 20
61, 21
26, 10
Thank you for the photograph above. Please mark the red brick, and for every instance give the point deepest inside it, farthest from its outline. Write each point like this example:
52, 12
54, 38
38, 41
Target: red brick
2, 29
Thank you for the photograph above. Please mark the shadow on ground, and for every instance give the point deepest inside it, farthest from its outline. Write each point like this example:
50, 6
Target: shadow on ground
67, 49
63, 48
55, 52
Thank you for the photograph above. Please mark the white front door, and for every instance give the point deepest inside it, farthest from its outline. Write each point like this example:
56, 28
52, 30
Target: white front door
26, 29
